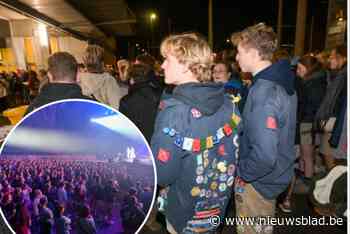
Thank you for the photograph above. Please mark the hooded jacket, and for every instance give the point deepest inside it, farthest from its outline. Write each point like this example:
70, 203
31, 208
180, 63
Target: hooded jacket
269, 118
194, 144
102, 87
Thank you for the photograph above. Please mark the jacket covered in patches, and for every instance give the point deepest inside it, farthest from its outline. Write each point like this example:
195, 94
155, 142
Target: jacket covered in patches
194, 143
267, 151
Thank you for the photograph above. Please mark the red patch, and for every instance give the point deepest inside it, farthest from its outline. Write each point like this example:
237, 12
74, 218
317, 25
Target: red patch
161, 105
221, 150
163, 155
271, 122
196, 147
227, 130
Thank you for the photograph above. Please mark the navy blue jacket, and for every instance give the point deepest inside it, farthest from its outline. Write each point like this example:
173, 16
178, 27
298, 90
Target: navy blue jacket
267, 146
200, 180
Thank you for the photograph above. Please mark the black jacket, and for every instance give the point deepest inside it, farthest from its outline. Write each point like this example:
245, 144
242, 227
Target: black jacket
312, 92
140, 105
55, 92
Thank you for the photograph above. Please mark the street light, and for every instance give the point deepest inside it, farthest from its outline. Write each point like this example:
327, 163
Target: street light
152, 17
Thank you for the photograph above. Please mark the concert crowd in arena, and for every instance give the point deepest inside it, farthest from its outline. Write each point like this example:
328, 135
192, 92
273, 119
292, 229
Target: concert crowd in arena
59, 195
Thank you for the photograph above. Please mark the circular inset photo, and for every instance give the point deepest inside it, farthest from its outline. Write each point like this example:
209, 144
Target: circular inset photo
76, 166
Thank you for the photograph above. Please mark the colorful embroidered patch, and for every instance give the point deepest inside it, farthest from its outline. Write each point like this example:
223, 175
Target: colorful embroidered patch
230, 181
236, 119
214, 185
195, 191
227, 130
200, 179
210, 143
231, 169
271, 122
199, 170
196, 145
179, 141
163, 155
187, 144
222, 187
196, 113
221, 150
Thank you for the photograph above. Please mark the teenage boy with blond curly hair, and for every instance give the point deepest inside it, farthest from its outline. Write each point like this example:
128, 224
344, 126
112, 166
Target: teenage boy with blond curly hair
195, 138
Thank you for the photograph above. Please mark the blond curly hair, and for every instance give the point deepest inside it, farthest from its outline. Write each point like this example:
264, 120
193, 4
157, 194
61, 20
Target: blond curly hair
193, 51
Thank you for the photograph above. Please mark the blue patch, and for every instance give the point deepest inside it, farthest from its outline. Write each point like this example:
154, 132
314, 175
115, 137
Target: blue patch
179, 140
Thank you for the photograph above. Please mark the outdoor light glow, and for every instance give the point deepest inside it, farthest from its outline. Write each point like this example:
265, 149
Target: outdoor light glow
43, 36
153, 16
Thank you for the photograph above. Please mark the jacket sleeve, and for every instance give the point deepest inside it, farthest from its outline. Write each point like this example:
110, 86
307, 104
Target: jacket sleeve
167, 155
262, 128
113, 93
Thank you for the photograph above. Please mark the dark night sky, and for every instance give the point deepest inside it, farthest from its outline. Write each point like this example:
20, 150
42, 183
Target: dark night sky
228, 16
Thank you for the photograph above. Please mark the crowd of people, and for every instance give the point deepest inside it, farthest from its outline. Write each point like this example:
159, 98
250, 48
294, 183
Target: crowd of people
229, 122
51, 195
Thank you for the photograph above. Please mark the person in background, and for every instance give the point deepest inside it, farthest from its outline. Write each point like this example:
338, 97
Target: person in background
85, 223
96, 83
312, 89
62, 222
62, 73
141, 104
43, 78
326, 116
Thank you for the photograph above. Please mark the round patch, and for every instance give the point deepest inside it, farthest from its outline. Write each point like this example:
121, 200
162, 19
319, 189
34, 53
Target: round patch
214, 185
196, 113
195, 191
216, 176
223, 177
214, 163
208, 194
205, 180
222, 187
166, 130
231, 169
205, 153
172, 132
202, 193
230, 181
199, 179
206, 162
199, 170
222, 167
